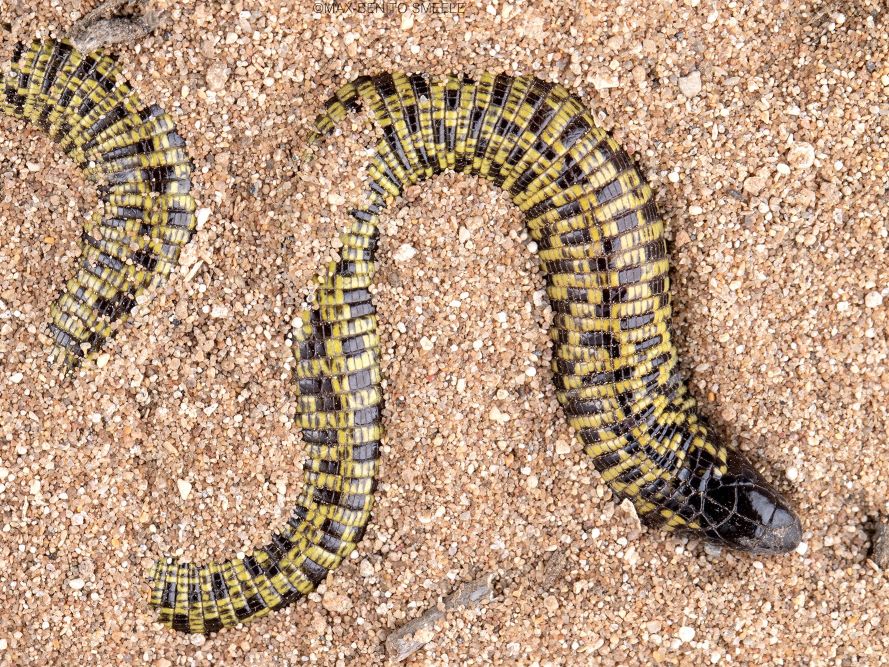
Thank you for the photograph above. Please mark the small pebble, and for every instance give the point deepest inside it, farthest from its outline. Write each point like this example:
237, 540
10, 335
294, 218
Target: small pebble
690, 85
754, 185
712, 550
873, 299
336, 603
202, 215
605, 81
404, 253
631, 556
76, 584
217, 77
686, 634
184, 488
801, 155
682, 238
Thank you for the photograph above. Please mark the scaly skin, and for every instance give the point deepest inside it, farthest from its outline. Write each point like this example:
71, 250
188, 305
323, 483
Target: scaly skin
600, 243
143, 175
602, 247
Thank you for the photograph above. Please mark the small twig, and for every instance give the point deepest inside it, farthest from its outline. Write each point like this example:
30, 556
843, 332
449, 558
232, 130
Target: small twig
880, 546
113, 22
411, 637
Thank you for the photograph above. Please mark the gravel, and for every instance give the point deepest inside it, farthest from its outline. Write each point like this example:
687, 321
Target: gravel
690, 85
197, 387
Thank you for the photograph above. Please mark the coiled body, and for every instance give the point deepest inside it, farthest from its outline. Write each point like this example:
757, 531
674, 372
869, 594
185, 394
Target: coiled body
602, 248
143, 174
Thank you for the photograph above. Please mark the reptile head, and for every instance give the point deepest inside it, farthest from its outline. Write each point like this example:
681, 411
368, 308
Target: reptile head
743, 511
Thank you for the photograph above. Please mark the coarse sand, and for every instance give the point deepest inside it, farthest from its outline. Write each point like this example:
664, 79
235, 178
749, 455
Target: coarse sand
763, 128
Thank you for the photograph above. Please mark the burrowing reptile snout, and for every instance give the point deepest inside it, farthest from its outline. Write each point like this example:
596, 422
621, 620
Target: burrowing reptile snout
743, 511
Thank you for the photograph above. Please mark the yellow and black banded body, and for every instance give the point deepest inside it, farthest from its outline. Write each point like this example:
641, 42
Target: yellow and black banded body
142, 171
601, 245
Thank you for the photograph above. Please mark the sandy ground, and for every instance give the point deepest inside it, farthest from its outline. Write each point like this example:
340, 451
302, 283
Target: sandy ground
772, 174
